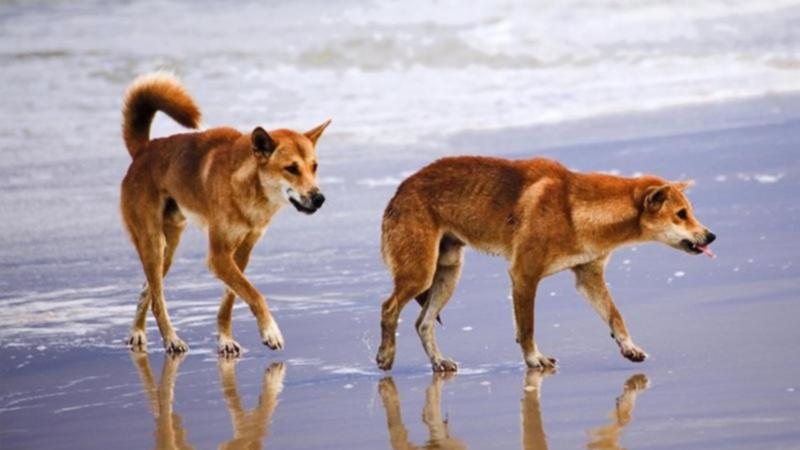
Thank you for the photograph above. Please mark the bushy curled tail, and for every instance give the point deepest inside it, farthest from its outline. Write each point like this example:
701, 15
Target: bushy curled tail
159, 91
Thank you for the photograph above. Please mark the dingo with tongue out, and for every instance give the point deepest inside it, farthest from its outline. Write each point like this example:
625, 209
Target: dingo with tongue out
668, 218
540, 216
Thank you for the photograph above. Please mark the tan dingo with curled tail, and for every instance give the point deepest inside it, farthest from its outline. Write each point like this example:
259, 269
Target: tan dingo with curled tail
231, 182
540, 216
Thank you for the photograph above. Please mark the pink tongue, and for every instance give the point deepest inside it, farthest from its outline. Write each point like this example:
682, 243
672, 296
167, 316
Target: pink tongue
706, 251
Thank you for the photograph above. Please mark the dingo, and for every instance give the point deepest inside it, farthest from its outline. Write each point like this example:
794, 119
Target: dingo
540, 216
231, 182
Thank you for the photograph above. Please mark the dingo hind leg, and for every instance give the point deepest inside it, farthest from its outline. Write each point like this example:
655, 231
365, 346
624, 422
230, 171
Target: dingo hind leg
410, 249
155, 232
448, 271
172, 226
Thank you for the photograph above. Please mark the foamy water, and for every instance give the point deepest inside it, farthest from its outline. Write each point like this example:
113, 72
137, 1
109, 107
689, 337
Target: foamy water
398, 71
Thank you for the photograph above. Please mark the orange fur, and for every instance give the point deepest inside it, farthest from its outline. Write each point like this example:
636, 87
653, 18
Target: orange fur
149, 94
231, 182
537, 214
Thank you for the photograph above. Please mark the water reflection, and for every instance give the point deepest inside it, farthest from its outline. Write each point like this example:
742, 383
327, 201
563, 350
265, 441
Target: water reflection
438, 433
250, 427
533, 435
169, 433
607, 437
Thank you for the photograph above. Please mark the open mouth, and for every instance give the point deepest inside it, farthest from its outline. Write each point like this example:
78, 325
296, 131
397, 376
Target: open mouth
697, 249
302, 208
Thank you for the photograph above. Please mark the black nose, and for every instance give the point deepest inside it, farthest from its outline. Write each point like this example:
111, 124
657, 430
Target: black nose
317, 199
710, 237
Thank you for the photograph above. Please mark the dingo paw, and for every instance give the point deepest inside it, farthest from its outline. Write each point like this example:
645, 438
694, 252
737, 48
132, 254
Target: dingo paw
540, 362
630, 351
385, 359
137, 341
174, 345
444, 365
272, 337
228, 347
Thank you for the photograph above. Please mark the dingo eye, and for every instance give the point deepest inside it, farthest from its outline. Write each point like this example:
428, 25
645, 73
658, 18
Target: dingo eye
314, 168
682, 214
292, 169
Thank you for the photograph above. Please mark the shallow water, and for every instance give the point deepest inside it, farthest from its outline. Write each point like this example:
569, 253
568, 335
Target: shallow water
721, 333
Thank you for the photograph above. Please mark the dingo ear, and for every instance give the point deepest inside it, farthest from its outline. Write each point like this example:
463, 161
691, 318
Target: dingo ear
684, 185
262, 142
655, 197
316, 132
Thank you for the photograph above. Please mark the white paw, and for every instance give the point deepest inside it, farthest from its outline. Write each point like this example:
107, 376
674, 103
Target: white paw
226, 346
444, 365
271, 336
539, 361
174, 344
137, 341
631, 351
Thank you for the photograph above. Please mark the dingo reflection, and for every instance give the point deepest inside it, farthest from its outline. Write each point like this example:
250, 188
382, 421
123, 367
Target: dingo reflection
438, 433
607, 437
250, 427
169, 433
533, 435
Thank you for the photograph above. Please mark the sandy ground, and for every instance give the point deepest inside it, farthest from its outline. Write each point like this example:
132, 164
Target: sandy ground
721, 333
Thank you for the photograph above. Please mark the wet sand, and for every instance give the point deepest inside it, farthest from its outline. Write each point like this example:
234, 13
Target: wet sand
721, 333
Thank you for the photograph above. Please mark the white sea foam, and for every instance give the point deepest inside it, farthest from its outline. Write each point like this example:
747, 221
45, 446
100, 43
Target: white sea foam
398, 71
84, 317
304, 361
348, 370
379, 182
765, 178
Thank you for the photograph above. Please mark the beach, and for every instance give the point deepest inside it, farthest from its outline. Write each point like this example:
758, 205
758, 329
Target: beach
721, 333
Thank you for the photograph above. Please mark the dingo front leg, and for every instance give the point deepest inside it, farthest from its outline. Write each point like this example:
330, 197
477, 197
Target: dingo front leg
222, 263
591, 283
524, 295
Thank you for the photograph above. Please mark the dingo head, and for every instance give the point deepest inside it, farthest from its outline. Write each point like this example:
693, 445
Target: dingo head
287, 161
667, 217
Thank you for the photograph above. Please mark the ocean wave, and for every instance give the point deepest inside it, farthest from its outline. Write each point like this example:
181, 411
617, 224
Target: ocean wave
399, 72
